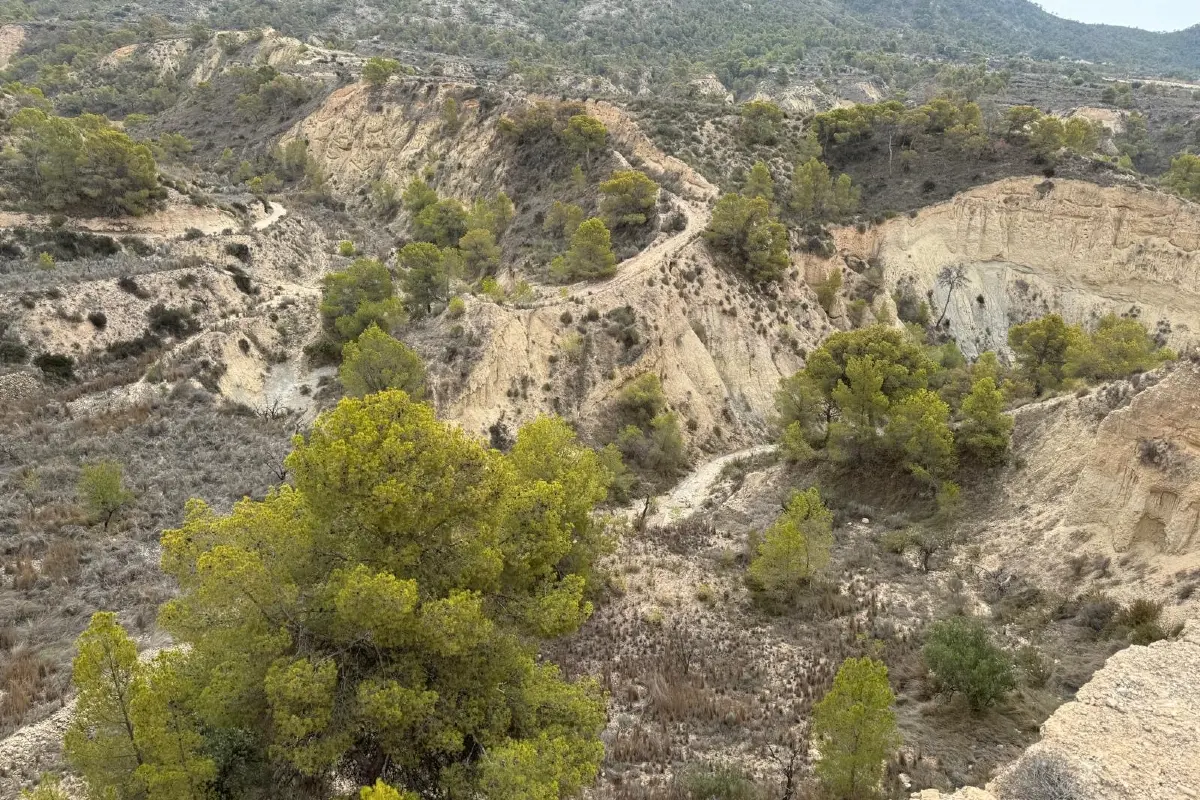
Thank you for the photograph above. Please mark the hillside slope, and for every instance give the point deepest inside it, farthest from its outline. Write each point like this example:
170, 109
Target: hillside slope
654, 33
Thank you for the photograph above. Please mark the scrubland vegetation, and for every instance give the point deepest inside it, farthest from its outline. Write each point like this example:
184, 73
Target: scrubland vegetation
398, 610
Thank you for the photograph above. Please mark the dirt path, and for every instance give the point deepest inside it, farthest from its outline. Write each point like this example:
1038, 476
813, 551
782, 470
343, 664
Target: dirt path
11, 39
277, 213
689, 495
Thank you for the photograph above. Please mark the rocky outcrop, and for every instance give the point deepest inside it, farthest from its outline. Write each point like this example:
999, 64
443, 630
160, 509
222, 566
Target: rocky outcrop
1031, 246
1131, 732
1141, 488
393, 133
1101, 493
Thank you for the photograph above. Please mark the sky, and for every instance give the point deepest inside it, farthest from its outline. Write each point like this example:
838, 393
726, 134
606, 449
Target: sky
1154, 15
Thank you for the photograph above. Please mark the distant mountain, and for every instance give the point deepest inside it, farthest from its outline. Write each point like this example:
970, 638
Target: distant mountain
600, 35
1019, 27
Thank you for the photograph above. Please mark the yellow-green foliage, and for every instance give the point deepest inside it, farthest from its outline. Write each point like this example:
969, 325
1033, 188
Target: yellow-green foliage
102, 489
563, 219
761, 120
867, 399
1050, 351
628, 199
1183, 177
854, 727
590, 255
585, 135
827, 290
795, 548
649, 436
376, 362
359, 296
480, 253
48, 788
818, 196
385, 607
426, 279
1118, 347
377, 71
986, 431
759, 183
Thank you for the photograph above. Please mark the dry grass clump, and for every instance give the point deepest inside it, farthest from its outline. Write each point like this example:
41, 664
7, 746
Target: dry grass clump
24, 679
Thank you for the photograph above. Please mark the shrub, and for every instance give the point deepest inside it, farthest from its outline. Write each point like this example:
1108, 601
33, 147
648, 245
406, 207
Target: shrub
176, 322
795, 548
98, 319
376, 362
743, 230
443, 223
827, 290
377, 71
239, 250
102, 489
96, 167
48, 788
856, 728
13, 351
986, 431
1096, 612
590, 255
358, 296
719, 782
1042, 776
960, 654
628, 199
1117, 348
642, 400
56, 366
128, 284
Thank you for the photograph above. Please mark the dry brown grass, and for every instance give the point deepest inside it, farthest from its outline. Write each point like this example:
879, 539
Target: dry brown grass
23, 680
61, 562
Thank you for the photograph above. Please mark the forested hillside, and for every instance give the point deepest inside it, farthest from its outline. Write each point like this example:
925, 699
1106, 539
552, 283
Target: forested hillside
669, 32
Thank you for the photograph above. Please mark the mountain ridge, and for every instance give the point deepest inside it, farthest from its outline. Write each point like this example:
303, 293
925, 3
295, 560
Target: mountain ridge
602, 36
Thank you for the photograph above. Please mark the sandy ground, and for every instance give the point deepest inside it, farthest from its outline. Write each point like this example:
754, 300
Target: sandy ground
689, 495
11, 39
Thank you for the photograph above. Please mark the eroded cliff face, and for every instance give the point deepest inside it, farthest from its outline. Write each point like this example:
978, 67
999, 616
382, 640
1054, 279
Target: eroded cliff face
1031, 246
1141, 488
719, 346
1102, 492
397, 132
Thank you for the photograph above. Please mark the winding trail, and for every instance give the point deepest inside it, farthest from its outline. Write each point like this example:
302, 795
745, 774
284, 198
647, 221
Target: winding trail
278, 212
689, 494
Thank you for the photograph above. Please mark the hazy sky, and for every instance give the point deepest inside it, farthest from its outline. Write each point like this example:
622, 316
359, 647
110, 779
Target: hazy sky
1155, 15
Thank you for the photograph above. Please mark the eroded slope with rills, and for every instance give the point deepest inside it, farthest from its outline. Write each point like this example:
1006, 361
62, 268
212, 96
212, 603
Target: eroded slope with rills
719, 344
1032, 246
1101, 493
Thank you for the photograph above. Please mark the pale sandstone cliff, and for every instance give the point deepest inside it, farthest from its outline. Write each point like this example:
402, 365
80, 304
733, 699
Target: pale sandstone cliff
1141, 488
1032, 246
1081, 505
